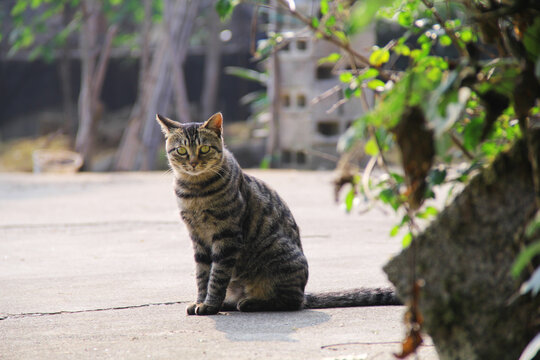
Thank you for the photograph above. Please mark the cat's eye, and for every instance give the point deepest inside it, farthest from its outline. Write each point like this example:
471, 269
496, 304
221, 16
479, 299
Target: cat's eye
181, 150
204, 149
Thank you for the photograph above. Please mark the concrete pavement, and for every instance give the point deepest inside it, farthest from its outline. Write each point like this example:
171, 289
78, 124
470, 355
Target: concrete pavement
100, 266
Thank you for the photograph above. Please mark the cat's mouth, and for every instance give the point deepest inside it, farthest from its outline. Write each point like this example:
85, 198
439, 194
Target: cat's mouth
194, 171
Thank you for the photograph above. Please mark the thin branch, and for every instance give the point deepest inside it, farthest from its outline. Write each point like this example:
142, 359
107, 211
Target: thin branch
329, 37
336, 105
325, 94
459, 45
367, 175
322, 155
253, 30
101, 68
382, 161
461, 147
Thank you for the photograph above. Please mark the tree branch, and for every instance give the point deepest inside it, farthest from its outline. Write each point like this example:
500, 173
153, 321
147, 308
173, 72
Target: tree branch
328, 37
459, 45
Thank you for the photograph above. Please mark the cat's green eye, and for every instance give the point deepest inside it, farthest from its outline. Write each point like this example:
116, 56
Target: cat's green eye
181, 150
205, 149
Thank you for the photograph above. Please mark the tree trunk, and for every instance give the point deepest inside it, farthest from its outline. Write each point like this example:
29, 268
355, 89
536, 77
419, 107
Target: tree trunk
88, 40
142, 138
129, 144
465, 257
70, 118
212, 62
273, 148
178, 26
92, 76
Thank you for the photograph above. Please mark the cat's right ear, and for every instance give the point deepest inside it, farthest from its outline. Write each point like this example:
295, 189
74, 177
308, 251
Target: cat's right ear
166, 124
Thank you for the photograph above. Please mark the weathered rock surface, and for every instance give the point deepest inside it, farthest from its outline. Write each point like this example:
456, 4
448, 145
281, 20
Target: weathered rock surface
465, 257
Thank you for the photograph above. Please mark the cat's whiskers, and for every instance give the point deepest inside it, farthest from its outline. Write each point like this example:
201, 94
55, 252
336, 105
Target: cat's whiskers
167, 172
218, 172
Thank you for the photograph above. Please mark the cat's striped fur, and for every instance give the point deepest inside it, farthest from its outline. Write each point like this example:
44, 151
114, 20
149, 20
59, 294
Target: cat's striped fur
247, 245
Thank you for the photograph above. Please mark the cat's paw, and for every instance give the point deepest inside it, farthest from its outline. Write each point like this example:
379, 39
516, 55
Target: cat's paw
202, 309
191, 309
250, 305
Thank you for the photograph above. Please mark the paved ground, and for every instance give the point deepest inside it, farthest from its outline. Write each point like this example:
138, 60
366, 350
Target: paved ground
99, 266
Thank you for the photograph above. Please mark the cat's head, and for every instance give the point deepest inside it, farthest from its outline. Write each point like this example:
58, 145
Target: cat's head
193, 149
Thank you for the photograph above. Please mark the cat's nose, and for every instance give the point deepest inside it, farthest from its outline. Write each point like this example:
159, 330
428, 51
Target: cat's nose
194, 163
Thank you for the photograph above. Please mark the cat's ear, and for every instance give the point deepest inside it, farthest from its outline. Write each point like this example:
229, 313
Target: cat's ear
166, 124
215, 123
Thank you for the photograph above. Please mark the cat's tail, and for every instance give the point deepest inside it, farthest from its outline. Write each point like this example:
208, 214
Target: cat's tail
350, 298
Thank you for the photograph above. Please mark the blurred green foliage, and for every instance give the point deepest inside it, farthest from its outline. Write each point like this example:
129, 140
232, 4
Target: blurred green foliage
32, 18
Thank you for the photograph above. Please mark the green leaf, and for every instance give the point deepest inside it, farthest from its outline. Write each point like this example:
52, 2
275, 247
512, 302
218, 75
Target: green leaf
466, 35
401, 49
389, 196
525, 257
225, 8
324, 7
349, 200
405, 19
428, 212
531, 42
472, 133
533, 227
397, 227
416, 53
330, 22
379, 57
341, 36
330, 59
265, 162
376, 84
315, 22
247, 74
437, 176
491, 149
423, 39
445, 40
35, 4
362, 14
397, 178
348, 92
19, 7
368, 73
371, 147
346, 77
395, 230
407, 240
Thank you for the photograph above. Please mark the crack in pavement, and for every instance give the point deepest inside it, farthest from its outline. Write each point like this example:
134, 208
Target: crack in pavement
88, 224
62, 312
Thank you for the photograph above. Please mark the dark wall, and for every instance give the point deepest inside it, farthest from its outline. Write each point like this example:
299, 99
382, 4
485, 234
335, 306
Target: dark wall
30, 87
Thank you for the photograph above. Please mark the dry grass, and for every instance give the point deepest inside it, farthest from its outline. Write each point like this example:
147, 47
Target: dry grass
16, 155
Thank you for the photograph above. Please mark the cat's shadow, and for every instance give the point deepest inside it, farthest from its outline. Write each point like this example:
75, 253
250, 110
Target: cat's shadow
267, 326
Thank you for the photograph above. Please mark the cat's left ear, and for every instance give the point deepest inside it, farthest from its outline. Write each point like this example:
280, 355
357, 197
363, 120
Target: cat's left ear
166, 124
215, 123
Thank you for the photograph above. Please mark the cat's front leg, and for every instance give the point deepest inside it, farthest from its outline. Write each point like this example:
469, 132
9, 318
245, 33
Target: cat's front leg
225, 250
203, 262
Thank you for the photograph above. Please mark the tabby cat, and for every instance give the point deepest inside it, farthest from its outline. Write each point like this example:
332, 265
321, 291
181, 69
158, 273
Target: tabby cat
247, 245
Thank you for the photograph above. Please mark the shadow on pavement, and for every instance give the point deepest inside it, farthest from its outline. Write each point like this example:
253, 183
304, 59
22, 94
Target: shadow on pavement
270, 326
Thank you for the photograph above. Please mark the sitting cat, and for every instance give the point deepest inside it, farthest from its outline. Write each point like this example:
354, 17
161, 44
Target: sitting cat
247, 245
